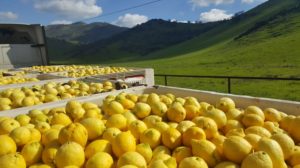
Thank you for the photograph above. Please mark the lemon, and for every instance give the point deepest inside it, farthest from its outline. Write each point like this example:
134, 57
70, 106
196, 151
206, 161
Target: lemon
151, 136
227, 164
73, 132
176, 112
23, 119
180, 100
151, 120
261, 131
152, 98
217, 115
143, 98
273, 149
252, 120
253, 139
219, 141
127, 104
272, 127
181, 152
293, 129
236, 148
225, 104
35, 134
232, 124
21, 135
193, 133
32, 153
129, 116
40, 166
255, 110
7, 145
234, 114
117, 121
166, 163
100, 159
205, 150
110, 133
159, 108
48, 154
295, 157
161, 126
171, 138
193, 162
115, 107
50, 136
141, 110
61, 119
137, 128
28, 101
132, 97
272, 114
191, 101
97, 146
286, 143
94, 127
286, 121
258, 159
93, 113
129, 166
208, 125
236, 132
42, 126
192, 111
184, 125
161, 150
13, 160
145, 150
7, 125
165, 99
124, 142
132, 158
70, 153
173, 124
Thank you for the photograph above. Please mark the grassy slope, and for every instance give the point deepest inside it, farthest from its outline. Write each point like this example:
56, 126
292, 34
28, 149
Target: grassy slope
270, 51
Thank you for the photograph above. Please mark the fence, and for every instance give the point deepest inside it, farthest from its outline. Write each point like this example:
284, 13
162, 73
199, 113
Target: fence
228, 78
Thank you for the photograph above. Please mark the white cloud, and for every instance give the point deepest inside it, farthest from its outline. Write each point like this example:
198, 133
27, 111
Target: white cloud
204, 3
131, 20
252, 1
5, 16
214, 15
71, 9
65, 22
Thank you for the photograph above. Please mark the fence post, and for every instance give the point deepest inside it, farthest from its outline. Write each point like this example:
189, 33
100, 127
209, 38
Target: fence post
166, 80
229, 84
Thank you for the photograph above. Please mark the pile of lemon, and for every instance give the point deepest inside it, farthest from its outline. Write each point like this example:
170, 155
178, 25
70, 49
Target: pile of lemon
38, 94
150, 130
16, 79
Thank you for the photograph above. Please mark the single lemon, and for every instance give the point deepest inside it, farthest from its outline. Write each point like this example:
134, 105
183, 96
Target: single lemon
109, 134
32, 153
193, 162
97, 146
192, 133
12, 160
145, 150
171, 138
7, 145
75, 132
117, 121
100, 159
21, 135
94, 127
132, 158
181, 152
152, 137
137, 128
258, 159
70, 153
124, 142
236, 148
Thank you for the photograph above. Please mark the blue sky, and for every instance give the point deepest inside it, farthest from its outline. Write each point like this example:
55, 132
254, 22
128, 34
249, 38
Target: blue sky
67, 11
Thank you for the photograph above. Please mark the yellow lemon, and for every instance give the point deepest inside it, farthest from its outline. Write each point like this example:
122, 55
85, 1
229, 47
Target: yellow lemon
70, 153
171, 138
227, 164
192, 111
236, 132
141, 110
97, 146
252, 120
73, 132
181, 152
137, 128
127, 104
42, 126
21, 135
273, 149
255, 110
225, 104
100, 159
117, 121
176, 112
161, 126
219, 141
110, 133
253, 139
184, 125
145, 150
32, 152
129, 116
7, 125
286, 143
151, 136
50, 136
232, 124
23, 119
193, 162
13, 160
286, 121
293, 129
208, 125
234, 114
35, 134
94, 127
151, 120
7, 145
124, 142
272, 114
193, 133
206, 150
49, 153
166, 163
161, 150
132, 158
261, 131
61, 119
217, 115
236, 148
152, 98
129, 166
40, 166
258, 159
159, 108
295, 157
115, 107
